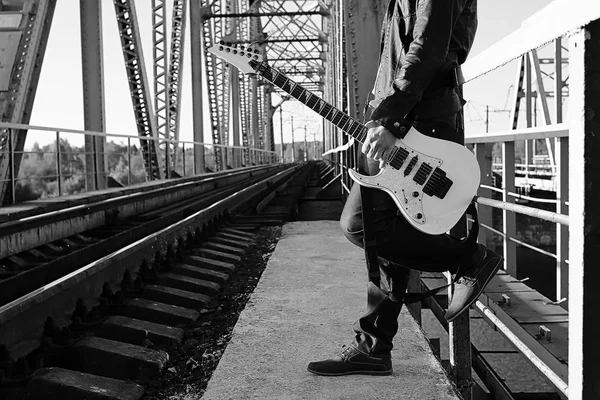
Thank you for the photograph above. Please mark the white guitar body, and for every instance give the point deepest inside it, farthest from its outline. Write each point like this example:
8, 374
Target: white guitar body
430, 214
432, 181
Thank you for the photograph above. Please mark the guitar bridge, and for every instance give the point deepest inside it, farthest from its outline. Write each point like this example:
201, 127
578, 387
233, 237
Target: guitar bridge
438, 185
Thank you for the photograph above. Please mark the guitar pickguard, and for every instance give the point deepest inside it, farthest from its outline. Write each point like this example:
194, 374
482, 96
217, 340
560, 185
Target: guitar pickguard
407, 193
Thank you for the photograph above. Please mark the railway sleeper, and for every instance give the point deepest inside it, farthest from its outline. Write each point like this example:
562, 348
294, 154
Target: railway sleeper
157, 312
176, 297
201, 274
204, 262
235, 237
69, 384
139, 332
218, 255
184, 282
230, 242
119, 360
211, 244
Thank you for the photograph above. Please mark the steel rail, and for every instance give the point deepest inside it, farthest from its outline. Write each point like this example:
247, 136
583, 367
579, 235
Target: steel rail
86, 207
20, 319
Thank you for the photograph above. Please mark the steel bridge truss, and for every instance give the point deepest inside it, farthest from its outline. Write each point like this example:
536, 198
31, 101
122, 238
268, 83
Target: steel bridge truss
290, 37
291, 34
167, 76
24, 35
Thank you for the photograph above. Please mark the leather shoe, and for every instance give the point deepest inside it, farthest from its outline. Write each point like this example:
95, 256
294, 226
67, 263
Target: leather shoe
352, 361
470, 286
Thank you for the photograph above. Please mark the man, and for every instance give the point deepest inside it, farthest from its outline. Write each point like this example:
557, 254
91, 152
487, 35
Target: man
423, 44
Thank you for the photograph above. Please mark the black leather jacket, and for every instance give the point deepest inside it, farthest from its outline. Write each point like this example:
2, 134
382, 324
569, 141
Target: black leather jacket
421, 40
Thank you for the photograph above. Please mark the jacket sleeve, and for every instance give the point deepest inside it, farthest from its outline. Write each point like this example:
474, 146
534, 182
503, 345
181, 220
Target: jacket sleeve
427, 52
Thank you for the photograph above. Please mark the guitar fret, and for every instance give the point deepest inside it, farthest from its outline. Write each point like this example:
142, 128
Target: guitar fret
311, 101
336, 117
354, 128
363, 134
344, 122
328, 109
320, 106
278, 79
294, 88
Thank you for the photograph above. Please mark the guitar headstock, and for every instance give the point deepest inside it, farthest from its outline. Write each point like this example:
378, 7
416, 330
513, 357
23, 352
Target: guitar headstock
238, 56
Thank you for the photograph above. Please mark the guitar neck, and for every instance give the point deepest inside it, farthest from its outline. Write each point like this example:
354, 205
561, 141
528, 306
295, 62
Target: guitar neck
340, 119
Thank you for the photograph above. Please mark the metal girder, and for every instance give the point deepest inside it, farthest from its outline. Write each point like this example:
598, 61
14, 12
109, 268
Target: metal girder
138, 84
363, 23
178, 23
92, 68
286, 39
160, 68
217, 77
23, 40
269, 14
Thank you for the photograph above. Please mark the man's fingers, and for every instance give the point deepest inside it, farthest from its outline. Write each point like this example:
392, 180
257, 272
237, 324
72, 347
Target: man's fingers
365, 147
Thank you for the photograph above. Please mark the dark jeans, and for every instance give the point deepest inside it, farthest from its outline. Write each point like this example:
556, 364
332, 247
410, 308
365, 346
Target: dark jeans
401, 247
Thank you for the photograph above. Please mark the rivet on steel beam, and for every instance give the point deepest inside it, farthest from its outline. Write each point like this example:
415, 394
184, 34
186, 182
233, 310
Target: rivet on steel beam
505, 300
545, 333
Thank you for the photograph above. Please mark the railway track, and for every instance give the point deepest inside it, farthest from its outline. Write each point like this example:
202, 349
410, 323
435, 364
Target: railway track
103, 323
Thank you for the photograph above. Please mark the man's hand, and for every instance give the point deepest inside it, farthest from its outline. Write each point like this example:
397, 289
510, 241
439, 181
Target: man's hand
379, 143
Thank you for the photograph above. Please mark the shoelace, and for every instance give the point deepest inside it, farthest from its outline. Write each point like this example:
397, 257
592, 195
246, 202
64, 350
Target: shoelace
346, 351
465, 280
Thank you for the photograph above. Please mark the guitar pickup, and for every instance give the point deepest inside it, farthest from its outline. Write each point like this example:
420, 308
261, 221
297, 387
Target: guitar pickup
438, 185
422, 173
398, 157
411, 165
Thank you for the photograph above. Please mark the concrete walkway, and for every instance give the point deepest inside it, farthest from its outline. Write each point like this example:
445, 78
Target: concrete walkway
312, 291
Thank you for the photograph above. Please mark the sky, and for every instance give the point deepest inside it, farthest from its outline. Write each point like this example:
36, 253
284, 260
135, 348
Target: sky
59, 100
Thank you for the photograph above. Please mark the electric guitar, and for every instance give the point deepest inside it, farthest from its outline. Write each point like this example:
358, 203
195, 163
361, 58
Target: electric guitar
432, 181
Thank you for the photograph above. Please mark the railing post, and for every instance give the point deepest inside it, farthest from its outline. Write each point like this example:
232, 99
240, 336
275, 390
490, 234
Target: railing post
483, 153
58, 169
11, 155
562, 185
183, 156
414, 286
509, 218
459, 345
562, 231
129, 161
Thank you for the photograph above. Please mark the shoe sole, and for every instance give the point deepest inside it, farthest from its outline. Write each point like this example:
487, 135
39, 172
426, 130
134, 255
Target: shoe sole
357, 372
466, 307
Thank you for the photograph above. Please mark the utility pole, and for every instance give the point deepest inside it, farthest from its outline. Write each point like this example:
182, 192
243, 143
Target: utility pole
305, 145
281, 132
293, 146
487, 118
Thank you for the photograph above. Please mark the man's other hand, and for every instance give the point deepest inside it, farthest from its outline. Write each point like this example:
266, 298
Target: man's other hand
378, 143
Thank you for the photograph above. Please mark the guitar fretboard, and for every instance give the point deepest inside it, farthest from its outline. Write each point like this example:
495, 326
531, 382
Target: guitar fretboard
340, 119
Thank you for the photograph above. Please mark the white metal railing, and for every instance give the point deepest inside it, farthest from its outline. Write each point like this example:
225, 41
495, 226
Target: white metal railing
57, 165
